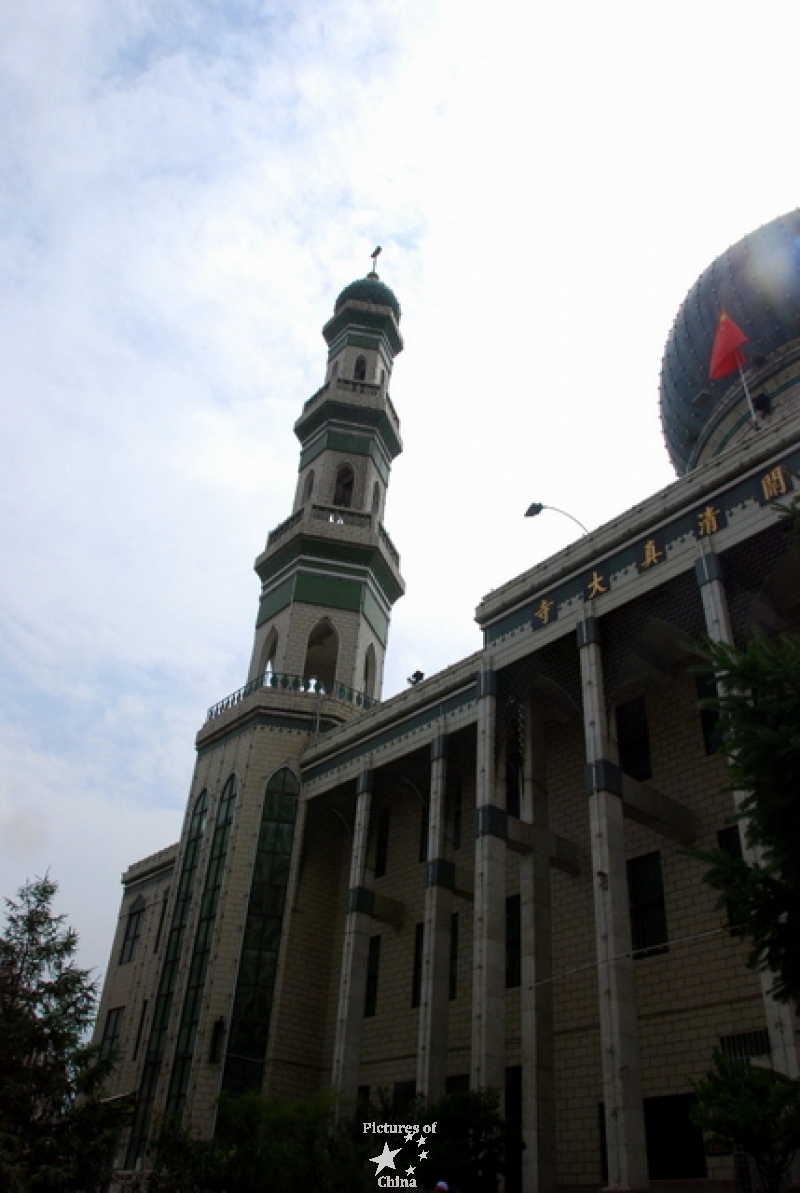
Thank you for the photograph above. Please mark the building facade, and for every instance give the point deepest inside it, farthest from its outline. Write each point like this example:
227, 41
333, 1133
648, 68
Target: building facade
483, 881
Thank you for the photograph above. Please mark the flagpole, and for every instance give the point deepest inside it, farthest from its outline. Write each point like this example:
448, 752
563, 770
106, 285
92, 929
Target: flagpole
747, 395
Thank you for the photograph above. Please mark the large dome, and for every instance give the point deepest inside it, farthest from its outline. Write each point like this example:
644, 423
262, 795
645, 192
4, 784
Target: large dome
757, 282
369, 289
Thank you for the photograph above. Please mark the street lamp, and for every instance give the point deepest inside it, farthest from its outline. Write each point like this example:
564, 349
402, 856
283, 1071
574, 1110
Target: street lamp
537, 508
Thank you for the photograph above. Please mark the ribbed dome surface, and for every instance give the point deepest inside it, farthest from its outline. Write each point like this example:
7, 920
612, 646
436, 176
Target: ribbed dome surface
757, 282
369, 289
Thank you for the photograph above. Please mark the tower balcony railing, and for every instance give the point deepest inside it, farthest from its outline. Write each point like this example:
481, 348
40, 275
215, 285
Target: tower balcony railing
299, 685
349, 385
338, 515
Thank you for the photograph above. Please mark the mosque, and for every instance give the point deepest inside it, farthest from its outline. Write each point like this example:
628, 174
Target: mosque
484, 880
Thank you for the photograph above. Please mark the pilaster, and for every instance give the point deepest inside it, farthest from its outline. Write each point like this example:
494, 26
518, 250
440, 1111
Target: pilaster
439, 881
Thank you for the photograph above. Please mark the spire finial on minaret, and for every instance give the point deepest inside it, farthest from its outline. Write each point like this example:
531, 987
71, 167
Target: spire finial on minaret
374, 272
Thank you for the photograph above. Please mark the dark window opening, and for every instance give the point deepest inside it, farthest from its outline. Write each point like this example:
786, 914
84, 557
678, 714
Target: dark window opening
373, 965
729, 841
745, 1044
382, 844
458, 814
308, 488
709, 717
111, 1032
362, 1094
675, 1148
416, 972
457, 1084
647, 906
322, 654
633, 739
133, 930
217, 1038
360, 370
452, 981
161, 918
343, 489
404, 1094
513, 942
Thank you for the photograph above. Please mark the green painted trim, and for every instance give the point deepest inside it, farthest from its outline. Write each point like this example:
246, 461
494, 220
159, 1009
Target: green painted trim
309, 454
343, 441
346, 319
331, 591
369, 417
377, 618
272, 602
304, 546
295, 724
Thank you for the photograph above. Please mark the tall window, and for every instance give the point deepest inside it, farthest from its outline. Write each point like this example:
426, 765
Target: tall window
709, 717
452, 981
648, 909
416, 971
371, 989
360, 371
322, 654
111, 1031
513, 942
369, 671
308, 488
343, 489
190, 1016
133, 930
458, 813
633, 739
258, 963
424, 822
382, 844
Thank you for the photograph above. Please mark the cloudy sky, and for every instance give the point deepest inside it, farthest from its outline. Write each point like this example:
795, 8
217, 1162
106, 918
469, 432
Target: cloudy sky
186, 187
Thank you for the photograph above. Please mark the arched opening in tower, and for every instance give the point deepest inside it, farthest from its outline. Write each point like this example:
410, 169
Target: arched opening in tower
343, 490
369, 672
360, 371
322, 654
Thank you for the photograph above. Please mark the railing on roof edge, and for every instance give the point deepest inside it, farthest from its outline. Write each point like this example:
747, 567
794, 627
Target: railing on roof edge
284, 682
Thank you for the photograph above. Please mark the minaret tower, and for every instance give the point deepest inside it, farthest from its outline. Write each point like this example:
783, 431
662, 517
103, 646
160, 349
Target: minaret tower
330, 573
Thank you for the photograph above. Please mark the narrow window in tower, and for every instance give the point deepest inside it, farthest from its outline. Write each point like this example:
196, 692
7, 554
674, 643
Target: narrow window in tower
458, 814
322, 654
424, 822
416, 972
335, 369
453, 960
133, 930
376, 497
382, 844
371, 988
360, 371
647, 905
343, 489
268, 653
513, 942
369, 672
308, 488
633, 739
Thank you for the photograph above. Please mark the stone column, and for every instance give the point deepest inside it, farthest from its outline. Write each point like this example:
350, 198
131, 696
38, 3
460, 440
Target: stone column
353, 978
439, 883
619, 1035
487, 1065
536, 994
781, 1020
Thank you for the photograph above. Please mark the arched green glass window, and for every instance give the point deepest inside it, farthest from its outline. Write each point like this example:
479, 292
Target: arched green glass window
255, 984
204, 934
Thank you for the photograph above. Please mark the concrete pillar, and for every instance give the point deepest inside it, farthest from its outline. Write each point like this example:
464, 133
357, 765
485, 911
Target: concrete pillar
536, 994
487, 1062
781, 1019
353, 978
439, 883
619, 1034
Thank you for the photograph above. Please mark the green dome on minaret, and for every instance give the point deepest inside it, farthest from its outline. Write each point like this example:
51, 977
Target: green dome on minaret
369, 289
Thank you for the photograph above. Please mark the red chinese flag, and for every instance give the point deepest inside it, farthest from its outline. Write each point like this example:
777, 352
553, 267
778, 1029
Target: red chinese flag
726, 355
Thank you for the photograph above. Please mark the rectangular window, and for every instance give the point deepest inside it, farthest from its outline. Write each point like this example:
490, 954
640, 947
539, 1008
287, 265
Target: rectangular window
161, 919
416, 974
633, 739
362, 1094
373, 965
513, 942
139, 1030
133, 930
729, 841
453, 968
382, 844
745, 1044
458, 813
111, 1033
648, 910
709, 717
